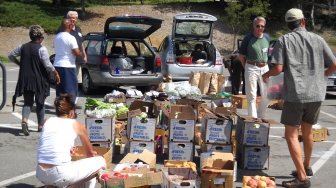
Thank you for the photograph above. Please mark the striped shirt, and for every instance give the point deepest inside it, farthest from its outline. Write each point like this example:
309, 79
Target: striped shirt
304, 56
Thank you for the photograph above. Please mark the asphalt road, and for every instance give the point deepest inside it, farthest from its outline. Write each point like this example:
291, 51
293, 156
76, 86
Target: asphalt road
18, 152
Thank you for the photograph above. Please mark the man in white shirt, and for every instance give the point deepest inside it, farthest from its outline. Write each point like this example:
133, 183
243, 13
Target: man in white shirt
66, 50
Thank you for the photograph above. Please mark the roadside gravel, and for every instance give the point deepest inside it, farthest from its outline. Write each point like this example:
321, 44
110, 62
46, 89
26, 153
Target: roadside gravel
96, 16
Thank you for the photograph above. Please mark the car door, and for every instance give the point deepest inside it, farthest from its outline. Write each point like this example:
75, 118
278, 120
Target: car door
93, 52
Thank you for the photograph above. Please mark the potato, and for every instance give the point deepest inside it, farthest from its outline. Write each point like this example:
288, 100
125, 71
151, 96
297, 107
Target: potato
178, 166
169, 165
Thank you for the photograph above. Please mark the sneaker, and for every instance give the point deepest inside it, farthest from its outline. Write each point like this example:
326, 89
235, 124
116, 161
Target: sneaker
309, 172
296, 183
25, 130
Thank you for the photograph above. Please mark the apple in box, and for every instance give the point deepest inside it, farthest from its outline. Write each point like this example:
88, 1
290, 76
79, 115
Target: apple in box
258, 182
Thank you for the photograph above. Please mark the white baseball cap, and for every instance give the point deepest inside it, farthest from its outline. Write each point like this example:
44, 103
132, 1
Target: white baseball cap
293, 15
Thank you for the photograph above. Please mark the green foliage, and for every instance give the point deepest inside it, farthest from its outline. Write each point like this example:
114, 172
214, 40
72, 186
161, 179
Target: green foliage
16, 13
4, 60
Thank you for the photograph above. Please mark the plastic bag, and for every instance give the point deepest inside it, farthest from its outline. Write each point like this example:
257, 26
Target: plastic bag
194, 93
121, 63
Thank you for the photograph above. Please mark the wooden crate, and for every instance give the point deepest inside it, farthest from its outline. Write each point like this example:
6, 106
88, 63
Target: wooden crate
318, 134
240, 101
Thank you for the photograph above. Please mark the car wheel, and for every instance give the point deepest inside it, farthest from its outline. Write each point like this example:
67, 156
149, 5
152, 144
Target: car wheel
86, 83
143, 89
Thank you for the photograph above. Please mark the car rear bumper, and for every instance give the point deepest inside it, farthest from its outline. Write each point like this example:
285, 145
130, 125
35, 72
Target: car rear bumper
182, 73
133, 80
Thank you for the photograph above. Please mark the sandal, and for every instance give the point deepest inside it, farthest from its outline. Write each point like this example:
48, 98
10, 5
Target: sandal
309, 172
39, 129
296, 183
25, 130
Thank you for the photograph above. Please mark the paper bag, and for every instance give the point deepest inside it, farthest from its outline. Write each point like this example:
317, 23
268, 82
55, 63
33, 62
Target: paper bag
194, 78
204, 82
221, 80
213, 88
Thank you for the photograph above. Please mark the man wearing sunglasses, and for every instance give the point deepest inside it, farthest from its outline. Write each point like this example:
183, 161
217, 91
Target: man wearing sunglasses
253, 55
303, 56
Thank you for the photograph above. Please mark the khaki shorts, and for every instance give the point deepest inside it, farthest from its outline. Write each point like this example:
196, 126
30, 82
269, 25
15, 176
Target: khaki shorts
295, 113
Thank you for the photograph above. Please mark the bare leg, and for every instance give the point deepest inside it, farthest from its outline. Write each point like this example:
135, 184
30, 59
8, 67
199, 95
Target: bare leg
308, 142
291, 134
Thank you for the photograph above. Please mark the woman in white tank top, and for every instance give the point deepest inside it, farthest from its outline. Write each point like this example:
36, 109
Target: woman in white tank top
57, 140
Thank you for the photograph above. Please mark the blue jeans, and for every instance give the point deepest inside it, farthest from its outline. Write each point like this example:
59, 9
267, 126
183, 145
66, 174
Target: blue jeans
69, 82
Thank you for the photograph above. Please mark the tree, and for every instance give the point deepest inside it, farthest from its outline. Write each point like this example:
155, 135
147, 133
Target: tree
239, 14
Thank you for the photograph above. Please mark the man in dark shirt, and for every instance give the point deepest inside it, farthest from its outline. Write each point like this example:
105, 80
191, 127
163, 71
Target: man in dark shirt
232, 63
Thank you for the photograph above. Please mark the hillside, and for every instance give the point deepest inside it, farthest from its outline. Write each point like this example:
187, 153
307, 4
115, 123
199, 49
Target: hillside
96, 17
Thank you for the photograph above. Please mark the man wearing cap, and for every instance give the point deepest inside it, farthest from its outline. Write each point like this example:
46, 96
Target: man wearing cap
303, 56
253, 55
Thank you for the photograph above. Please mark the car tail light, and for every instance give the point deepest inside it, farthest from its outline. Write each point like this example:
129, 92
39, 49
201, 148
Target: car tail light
219, 63
158, 62
170, 58
104, 61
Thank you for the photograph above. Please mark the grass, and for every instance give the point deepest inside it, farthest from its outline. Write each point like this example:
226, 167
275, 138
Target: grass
4, 60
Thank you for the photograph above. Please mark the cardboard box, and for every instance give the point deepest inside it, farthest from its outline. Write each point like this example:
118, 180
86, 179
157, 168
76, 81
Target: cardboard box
145, 157
135, 146
119, 127
181, 122
218, 170
110, 99
101, 144
240, 101
180, 178
142, 129
198, 137
122, 116
280, 104
253, 157
227, 148
318, 134
172, 163
252, 131
181, 151
216, 128
106, 152
100, 129
147, 179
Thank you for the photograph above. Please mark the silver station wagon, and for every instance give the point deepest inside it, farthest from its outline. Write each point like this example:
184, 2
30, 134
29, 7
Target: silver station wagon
190, 47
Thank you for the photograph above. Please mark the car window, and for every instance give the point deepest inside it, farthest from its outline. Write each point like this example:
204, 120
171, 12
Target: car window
108, 47
193, 28
130, 49
164, 45
94, 47
144, 50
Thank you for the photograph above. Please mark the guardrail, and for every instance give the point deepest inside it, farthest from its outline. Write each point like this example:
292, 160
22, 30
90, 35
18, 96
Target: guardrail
3, 85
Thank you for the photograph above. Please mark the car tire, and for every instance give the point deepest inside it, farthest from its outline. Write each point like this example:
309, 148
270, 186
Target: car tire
86, 83
143, 89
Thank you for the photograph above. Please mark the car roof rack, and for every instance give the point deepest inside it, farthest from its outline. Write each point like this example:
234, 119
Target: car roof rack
95, 33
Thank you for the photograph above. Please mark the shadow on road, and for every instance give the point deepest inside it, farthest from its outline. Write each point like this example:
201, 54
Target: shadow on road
15, 132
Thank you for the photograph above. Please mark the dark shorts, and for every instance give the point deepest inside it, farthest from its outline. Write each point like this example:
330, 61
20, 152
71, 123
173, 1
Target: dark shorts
294, 114
69, 82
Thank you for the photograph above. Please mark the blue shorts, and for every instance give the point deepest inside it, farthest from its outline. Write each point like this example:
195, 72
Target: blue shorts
69, 82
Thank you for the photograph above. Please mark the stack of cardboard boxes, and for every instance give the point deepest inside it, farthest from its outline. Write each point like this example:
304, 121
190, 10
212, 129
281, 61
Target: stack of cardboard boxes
141, 125
252, 150
180, 120
101, 131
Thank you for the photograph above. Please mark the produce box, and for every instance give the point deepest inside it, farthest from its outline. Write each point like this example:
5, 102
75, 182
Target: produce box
146, 157
252, 157
110, 98
224, 148
180, 178
101, 144
280, 104
216, 129
142, 128
252, 131
218, 170
319, 134
180, 164
229, 111
106, 152
240, 101
136, 146
181, 122
198, 138
119, 127
181, 151
100, 129
259, 181
140, 178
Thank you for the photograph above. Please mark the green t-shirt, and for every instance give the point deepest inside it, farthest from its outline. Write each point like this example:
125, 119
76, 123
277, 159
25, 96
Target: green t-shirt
257, 50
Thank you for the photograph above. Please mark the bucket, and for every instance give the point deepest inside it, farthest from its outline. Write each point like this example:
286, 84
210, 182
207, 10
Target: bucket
185, 60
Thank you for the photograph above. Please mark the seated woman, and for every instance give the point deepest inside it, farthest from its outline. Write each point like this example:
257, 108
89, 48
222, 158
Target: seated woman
57, 140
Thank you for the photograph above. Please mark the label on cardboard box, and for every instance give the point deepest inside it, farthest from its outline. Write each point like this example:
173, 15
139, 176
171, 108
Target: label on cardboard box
142, 130
252, 133
100, 129
218, 133
138, 147
253, 157
182, 130
181, 151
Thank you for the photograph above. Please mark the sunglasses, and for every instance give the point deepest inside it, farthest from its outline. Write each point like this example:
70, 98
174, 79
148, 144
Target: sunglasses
260, 26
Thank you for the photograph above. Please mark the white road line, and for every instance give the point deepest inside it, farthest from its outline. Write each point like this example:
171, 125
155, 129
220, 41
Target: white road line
330, 128
325, 113
325, 157
20, 117
17, 178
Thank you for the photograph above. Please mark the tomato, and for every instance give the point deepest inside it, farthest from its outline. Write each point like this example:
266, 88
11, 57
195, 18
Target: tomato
116, 174
105, 176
